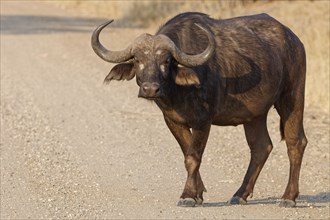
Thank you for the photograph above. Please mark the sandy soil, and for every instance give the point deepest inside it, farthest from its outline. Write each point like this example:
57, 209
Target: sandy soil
74, 148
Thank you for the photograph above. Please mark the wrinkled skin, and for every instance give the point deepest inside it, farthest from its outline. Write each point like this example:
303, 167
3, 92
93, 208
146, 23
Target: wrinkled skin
257, 63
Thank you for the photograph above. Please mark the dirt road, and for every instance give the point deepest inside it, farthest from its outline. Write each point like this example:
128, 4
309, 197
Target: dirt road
74, 148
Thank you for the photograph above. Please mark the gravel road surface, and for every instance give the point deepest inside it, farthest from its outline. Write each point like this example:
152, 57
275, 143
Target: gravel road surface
74, 148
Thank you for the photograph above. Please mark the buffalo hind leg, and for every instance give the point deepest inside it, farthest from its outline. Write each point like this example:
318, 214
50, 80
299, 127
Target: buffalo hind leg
292, 131
290, 107
260, 146
194, 188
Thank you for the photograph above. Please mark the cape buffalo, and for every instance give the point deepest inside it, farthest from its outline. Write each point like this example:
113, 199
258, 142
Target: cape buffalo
202, 71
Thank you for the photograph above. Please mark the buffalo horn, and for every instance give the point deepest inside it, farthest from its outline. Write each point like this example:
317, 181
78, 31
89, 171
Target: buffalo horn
192, 60
105, 54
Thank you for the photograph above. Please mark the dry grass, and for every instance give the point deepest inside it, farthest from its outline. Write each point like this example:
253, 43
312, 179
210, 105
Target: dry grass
308, 19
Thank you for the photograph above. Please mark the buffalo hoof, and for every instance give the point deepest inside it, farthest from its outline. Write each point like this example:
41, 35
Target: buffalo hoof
199, 202
187, 202
237, 201
287, 203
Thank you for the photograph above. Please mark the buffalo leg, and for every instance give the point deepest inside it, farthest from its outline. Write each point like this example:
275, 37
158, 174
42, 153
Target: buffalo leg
290, 107
293, 132
260, 146
296, 142
192, 146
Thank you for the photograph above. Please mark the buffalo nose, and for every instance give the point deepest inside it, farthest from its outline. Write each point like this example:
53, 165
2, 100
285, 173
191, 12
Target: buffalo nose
153, 89
149, 90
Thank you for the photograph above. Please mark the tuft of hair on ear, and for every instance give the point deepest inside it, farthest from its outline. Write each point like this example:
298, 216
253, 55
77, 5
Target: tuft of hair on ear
108, 78
186, 77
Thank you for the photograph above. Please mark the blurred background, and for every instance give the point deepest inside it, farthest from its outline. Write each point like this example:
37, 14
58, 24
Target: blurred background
308, 19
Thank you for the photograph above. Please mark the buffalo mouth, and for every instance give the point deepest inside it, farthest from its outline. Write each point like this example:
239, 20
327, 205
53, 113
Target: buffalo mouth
151, 98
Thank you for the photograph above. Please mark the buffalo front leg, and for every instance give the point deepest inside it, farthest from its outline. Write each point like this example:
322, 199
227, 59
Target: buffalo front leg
192, 145
193, 158
260, 146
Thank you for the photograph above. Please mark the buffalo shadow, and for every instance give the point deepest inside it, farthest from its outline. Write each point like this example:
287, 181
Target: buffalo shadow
320, 200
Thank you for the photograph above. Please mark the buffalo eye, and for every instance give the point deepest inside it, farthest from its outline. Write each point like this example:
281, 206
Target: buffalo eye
168, 61
139, 64
136, 60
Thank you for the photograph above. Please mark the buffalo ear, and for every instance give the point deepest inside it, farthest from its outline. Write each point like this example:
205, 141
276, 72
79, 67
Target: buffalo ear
122, 71
186, 76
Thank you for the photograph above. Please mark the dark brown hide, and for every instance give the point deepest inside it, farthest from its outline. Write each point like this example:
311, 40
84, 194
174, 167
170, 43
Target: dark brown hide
257, 63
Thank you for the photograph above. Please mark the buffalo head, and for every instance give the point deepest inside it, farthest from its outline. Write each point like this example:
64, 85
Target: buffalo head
154, 60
